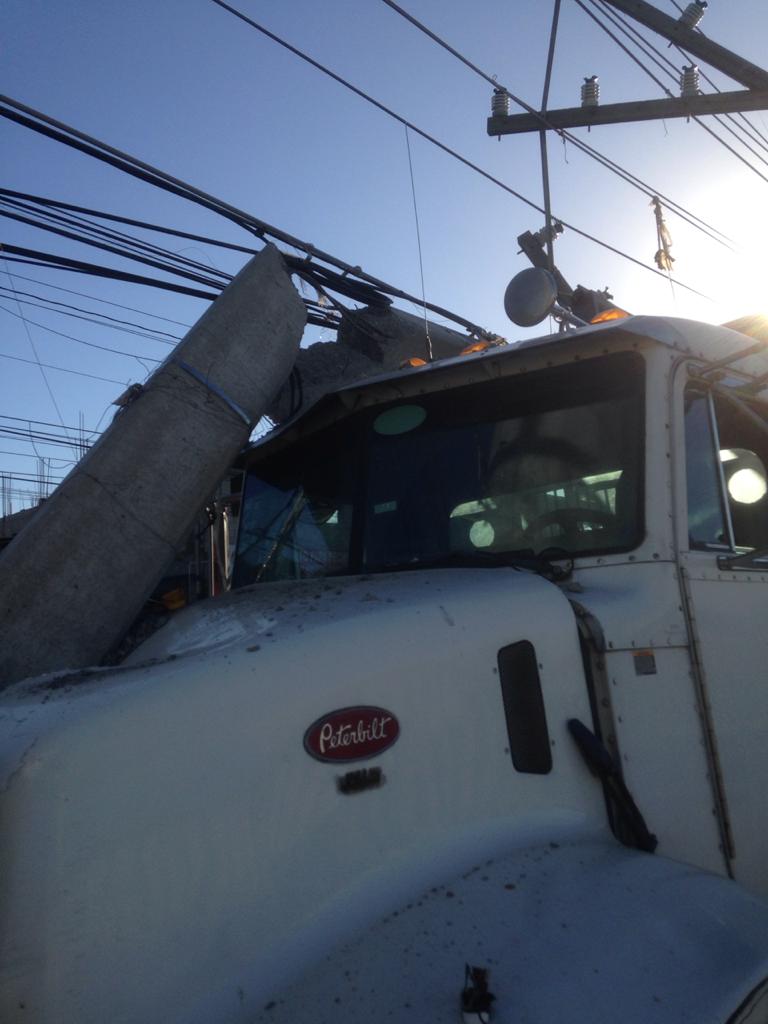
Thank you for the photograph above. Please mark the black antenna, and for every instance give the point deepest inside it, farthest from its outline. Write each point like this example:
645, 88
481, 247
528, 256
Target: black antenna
543, 138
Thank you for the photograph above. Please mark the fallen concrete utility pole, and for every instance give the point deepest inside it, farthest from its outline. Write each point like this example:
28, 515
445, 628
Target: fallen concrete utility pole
370, 341
74, 579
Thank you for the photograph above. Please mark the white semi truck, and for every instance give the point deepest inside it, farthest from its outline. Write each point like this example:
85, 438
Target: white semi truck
481, 730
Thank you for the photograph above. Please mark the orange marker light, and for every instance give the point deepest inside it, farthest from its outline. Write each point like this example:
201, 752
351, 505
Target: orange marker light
174, 599
609, 314
483, 345
478, 346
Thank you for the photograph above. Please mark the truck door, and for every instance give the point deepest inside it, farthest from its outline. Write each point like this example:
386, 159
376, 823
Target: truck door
725, 587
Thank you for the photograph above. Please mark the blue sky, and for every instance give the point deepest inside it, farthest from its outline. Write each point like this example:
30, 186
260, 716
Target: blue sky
186, 87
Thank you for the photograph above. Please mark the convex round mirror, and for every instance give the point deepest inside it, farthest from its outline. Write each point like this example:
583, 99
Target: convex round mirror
530, 296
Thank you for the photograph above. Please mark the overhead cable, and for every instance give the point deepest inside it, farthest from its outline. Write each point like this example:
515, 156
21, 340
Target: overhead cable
98, 298
33, 257
148, 261
44, 423
102, 232
80, 341
26, 455
64, 369
709, 81
625, 49
22, 114
38, 479
448, 150
148, 225
590, 151
94, 318
28, 117
667, 65
707, 128
313, 273
35, 437
32, 345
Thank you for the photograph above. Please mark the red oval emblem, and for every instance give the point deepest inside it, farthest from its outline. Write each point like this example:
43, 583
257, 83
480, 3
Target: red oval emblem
351, 734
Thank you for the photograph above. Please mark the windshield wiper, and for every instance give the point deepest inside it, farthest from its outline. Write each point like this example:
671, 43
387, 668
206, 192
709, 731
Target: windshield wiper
294, 512
757, 559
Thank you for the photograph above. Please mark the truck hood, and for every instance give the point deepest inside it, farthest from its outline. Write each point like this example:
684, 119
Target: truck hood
174, 851
172, 812
272, 614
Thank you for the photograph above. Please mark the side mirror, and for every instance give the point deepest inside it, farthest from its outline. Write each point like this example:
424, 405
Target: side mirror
530, 297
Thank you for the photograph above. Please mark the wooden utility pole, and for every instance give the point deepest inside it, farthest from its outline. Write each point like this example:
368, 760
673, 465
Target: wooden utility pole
641, 110
754, 97
694, 43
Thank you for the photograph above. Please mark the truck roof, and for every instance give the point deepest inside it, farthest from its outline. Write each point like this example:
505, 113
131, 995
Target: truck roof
708, 342
688, 337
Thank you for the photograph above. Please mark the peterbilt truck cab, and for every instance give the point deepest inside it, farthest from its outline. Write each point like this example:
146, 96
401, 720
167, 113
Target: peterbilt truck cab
479, 730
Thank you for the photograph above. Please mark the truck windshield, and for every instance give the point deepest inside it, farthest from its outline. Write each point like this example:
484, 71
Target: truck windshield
546, 459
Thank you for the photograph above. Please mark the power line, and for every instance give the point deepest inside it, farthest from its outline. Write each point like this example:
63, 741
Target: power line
667, 91
35, 433
707, 128
64, 369
113, 324
631, 31
30, 479
447, 149
55, 213
621, 46
52, 261
673, 72
315, 274
26, 455
60, 132
315, 315
47, 202
712, 84
590, 151
147, 225
81, 341
34, 349
28, 498
41, 423
97, 298
43, 436
125, 253
34, 438
122, 239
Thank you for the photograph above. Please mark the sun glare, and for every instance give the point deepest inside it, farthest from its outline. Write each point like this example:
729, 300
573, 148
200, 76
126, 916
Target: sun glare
735, 280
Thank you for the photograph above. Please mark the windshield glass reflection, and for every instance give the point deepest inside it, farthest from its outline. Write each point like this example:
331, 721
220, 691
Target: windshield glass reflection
548, 459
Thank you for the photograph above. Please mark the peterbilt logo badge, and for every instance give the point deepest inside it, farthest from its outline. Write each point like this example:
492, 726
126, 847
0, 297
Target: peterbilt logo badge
351, 734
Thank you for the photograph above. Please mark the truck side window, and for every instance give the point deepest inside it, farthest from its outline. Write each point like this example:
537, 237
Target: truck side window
726, 451
743, 430
706, 515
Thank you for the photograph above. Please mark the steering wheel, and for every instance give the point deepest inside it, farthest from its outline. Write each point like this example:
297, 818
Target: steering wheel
569, 520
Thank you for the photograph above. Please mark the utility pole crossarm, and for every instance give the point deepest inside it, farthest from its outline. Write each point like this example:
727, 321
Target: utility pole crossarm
640, 110
694, 43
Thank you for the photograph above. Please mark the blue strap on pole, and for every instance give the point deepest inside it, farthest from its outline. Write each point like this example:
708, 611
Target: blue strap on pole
215, 389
